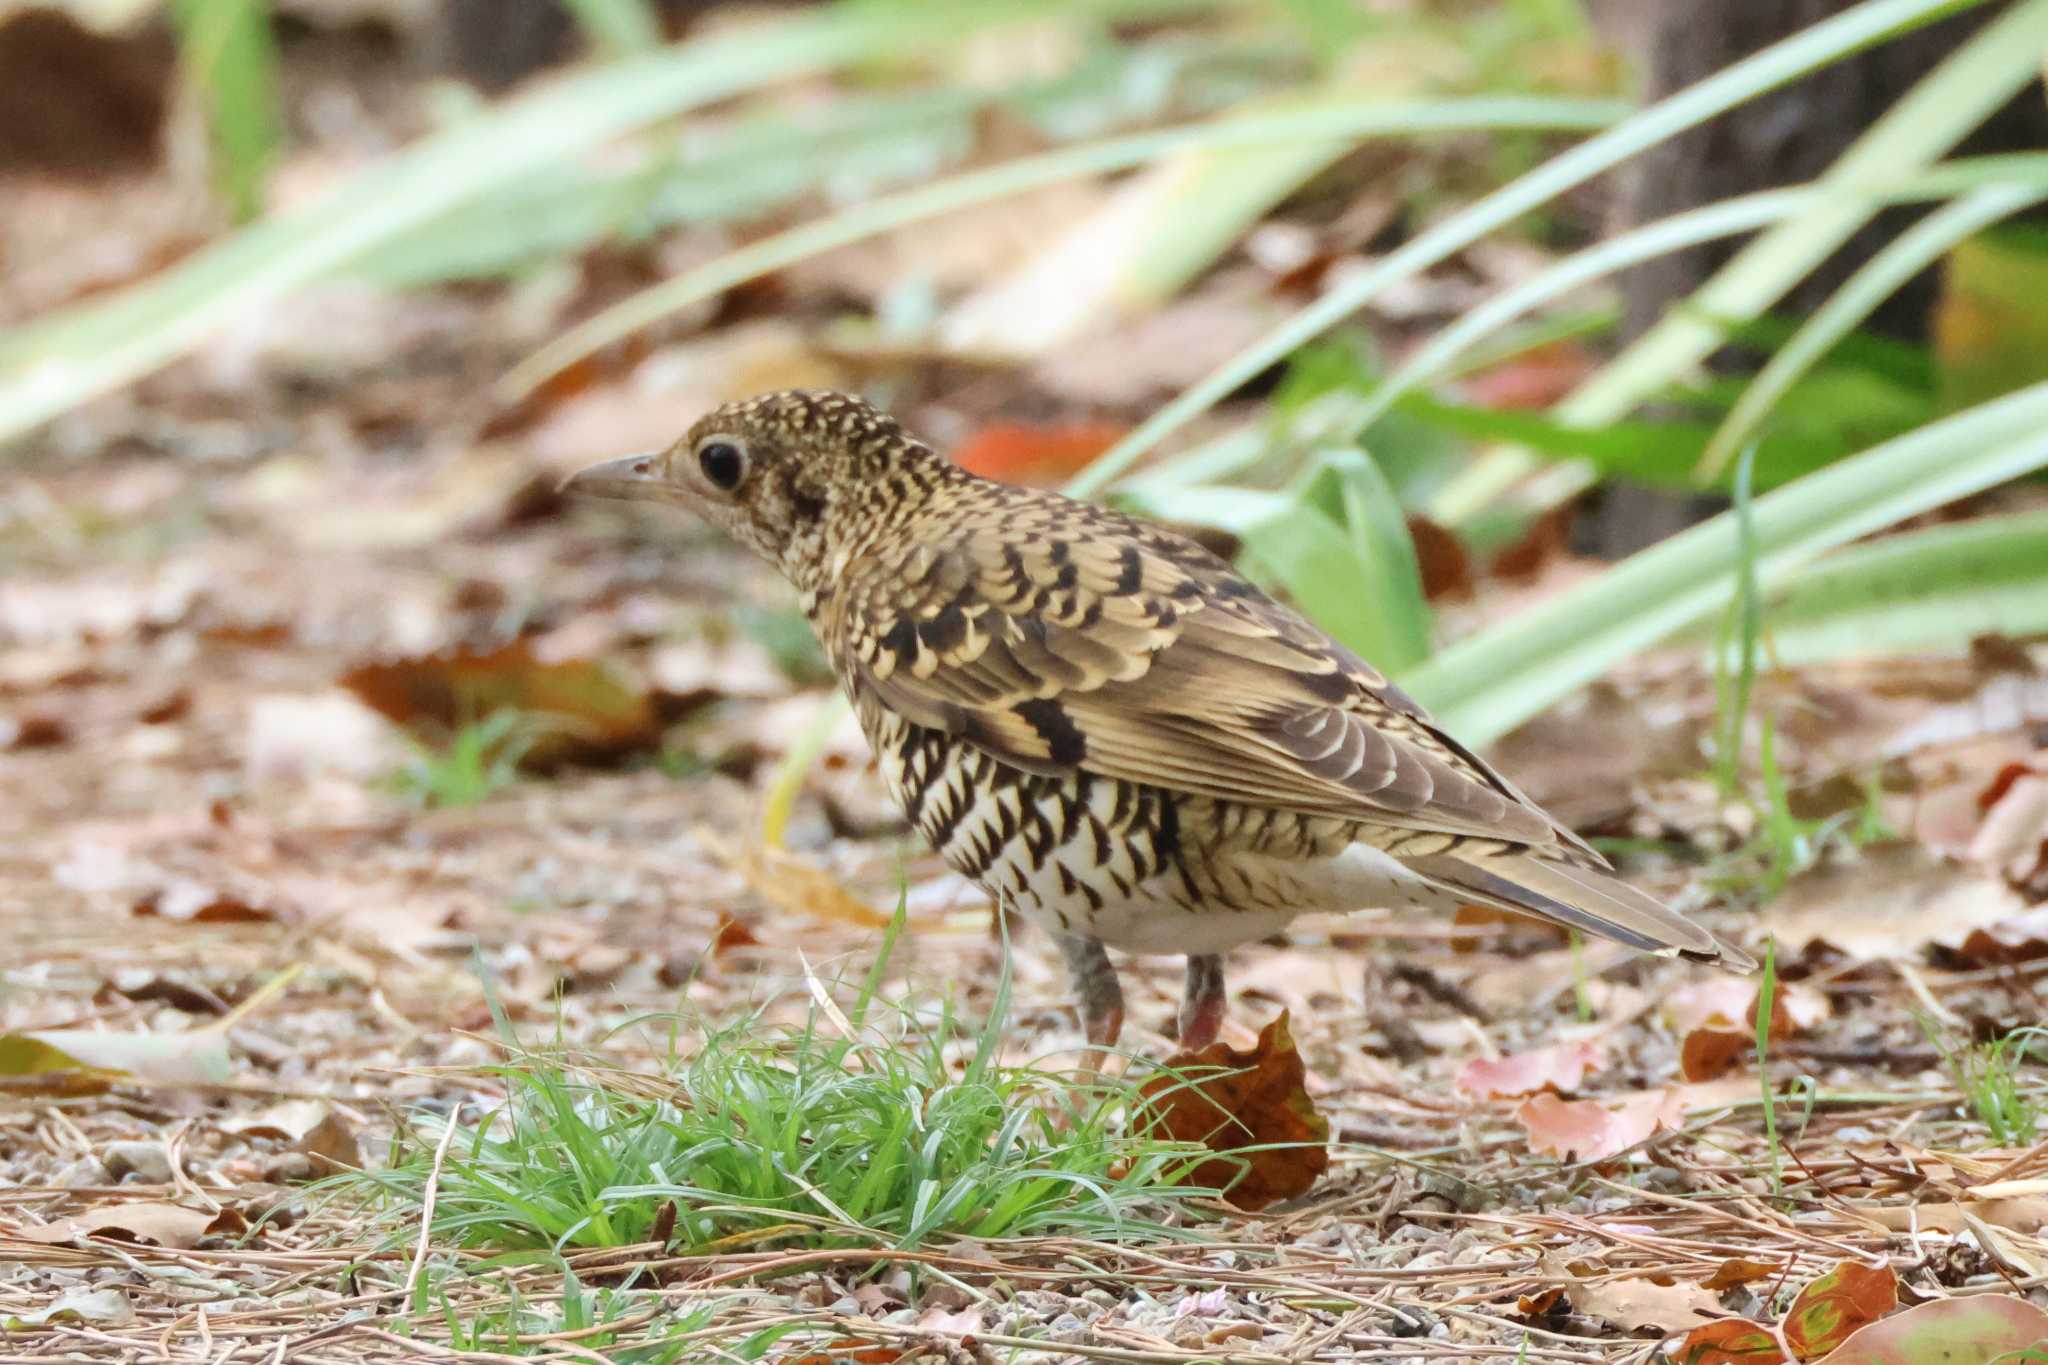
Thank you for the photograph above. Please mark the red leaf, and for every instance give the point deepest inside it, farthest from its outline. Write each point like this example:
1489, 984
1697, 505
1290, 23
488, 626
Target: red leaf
1832, 1307
1732, 1341
1251, 1099
1016, 453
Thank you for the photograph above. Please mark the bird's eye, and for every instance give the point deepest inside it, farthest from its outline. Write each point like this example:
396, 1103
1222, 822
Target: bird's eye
723, 463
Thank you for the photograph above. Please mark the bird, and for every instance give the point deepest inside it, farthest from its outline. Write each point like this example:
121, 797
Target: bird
1107, 727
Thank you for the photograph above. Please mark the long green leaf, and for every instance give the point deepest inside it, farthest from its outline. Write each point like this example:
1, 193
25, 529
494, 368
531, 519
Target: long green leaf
1939, 110
64, 360
1485, 685
1825, 42
1874, 282
1362, 117
230, 62
1929, 590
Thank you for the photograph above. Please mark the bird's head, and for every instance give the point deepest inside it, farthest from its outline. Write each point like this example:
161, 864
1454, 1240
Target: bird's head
796, 476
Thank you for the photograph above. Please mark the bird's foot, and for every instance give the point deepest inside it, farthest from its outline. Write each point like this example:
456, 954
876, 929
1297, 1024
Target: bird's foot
1102, 998
1202, 1006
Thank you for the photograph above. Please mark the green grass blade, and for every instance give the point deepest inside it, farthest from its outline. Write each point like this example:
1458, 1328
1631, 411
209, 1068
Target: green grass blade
1875, 281
54, 364
1355, 119
618, 28
1932, 589
1825, 42
1348, 486
1935, 114
1485, 685
229, 58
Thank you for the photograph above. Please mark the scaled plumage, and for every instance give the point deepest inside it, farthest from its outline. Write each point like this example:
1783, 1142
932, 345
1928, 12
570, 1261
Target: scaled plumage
1106, 726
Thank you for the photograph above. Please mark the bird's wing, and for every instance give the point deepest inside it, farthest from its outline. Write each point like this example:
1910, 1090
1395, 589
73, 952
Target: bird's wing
1062, 636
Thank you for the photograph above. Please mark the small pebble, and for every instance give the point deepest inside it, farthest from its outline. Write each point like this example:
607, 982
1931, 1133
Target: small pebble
148, 1162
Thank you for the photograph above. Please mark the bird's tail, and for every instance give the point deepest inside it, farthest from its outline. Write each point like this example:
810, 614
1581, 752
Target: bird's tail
1579, 898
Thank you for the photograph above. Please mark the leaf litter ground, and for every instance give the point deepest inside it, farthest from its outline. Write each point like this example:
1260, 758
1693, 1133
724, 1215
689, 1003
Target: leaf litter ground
249, 943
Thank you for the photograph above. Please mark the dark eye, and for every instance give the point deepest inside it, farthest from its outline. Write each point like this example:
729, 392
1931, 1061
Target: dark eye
723, 464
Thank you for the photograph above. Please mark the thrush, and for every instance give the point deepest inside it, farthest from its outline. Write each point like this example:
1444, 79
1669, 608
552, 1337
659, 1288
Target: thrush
1107, 727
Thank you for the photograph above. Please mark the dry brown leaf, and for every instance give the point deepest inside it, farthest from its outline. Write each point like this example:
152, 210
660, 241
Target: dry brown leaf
151, 1222
2014, 1215
82, 1061
582, 712
731, 934
95, 1307
1737, 1270
1889, 902
1718, 1020
1562, 1066
786, 881
1588, 1130
2012, 841
1640, 1302
1251, 1098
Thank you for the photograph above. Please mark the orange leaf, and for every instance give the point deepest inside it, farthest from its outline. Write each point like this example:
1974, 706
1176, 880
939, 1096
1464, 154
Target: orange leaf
849, 1351
1731, 1341
1593, 1132
1562, 1066
1016, 453
1836, 1304
731, 934
585, 713
1737, 1270
1709, 1052
1246, 1099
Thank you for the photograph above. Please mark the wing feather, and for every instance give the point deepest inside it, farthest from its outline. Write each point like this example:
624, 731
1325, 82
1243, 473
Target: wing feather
1162, 666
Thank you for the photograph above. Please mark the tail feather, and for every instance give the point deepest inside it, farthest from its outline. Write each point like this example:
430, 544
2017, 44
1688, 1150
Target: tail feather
1580, 898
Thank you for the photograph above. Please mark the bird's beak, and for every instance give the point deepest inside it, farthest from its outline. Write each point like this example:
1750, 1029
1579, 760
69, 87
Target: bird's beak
633, 476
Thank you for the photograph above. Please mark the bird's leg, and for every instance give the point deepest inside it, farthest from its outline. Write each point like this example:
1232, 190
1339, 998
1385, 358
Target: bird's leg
1095, 983
1201, 1008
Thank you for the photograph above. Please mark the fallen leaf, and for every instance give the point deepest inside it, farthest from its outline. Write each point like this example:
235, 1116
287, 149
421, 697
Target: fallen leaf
1718, 1020
1888, 902
1562, 1066
2020, 937
1975, 1329
1440, 555
1588, 1130
731, 934
1737, 1270
1640, 1302
151, 1222
786, 881
1043, 456
849, 1351
81, 1061
1836, 1304
97, 1307
1731, 1341
2015, 1215
1535, 378
193, 902
1254, 1098
585, 713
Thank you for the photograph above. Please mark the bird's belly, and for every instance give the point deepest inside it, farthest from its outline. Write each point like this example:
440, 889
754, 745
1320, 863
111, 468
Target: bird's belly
1136, 867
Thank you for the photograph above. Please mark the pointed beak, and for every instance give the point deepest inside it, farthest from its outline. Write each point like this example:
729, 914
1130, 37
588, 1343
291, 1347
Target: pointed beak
634, 476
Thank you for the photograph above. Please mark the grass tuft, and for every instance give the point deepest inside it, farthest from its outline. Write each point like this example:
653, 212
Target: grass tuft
478, 760
1988, 1074
885, 1124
